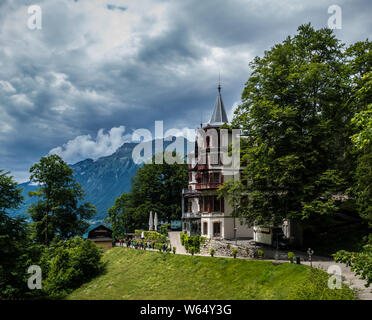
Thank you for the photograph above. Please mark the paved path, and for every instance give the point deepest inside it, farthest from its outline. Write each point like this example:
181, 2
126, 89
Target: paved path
348, 277
174, 237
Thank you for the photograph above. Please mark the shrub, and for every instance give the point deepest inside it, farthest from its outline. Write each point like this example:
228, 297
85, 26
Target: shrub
212, 251
260, 253
234, 252
192, 250
228, 246
164, 229
192, 241
154, 236
68, 264
291, 256
315, 287
359, 262
174, 250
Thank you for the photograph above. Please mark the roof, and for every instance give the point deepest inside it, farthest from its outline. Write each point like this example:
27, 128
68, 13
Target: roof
99, 234
100, 226
219, 115
101, 239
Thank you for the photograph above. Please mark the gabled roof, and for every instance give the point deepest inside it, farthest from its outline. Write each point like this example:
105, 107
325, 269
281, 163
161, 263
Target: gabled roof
219, 116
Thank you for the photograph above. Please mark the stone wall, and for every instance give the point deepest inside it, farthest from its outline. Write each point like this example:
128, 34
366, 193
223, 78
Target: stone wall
246, 249
223, 248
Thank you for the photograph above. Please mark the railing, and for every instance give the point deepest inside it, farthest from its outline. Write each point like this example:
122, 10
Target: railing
201, 186
201, 167
191, 215
189, 192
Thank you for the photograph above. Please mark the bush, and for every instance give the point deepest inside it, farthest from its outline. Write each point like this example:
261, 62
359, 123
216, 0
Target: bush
68, 264
164, 229
154, 236
234, 252
315, 287
260, 253
359, 262
212, 251
192, 241
174, 250
291, 256
192, 250
182, 238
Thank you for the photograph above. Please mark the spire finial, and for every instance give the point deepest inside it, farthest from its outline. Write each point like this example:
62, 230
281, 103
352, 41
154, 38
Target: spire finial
219, 81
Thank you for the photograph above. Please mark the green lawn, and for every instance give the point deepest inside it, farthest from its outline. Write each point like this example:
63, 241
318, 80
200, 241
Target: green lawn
137, 274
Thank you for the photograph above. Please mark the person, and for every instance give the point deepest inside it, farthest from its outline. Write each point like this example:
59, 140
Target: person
121, 242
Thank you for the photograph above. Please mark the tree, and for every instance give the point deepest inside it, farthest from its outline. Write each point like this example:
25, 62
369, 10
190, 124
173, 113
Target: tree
13, 240
295, 114
58, 211
363, 144
156, 188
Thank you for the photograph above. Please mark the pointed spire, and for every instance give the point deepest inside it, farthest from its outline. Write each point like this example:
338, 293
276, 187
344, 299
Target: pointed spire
219, 114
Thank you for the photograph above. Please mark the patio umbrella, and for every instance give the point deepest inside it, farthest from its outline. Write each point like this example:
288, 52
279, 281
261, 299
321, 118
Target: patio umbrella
156, 222
151, 222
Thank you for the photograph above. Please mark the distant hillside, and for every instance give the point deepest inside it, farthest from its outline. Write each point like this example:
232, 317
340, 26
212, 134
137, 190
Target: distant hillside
103, 180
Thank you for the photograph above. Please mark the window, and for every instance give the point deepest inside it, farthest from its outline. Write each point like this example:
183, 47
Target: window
216, 204
216, 177
205, 228
206, 204
217, 229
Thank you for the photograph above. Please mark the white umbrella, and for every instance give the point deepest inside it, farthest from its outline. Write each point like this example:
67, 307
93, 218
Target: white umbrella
156, 222
151, 222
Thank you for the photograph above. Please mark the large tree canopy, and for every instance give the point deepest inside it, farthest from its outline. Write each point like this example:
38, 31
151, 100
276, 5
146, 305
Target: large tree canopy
13, 240
58, 211
155, 187
296, 112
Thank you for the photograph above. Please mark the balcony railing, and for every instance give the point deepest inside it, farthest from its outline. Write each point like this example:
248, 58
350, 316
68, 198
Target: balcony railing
201, 167
202, 186
189, 192
190, 215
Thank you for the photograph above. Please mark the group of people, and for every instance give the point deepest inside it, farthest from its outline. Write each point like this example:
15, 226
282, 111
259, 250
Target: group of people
142, 244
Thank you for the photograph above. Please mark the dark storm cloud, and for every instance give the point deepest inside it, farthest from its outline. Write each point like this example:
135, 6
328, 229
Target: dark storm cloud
106, 64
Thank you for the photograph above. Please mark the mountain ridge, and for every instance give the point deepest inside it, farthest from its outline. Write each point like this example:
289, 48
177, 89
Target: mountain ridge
103, 180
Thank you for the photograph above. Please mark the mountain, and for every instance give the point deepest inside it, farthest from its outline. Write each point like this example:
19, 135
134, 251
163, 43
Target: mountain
103, 180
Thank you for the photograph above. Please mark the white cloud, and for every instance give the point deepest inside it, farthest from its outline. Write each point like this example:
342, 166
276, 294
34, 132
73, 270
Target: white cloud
7, 87
230, 113
84, 147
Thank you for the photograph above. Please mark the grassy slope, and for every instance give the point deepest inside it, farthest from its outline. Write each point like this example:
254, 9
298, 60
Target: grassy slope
136, 274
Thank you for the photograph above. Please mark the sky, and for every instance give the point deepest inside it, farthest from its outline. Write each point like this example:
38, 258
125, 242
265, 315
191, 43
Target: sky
99, 69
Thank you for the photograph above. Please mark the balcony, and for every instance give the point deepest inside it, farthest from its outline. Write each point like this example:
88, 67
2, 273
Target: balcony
202, 167
204, 186
187, 192
191, 215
